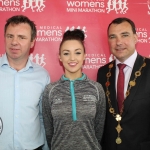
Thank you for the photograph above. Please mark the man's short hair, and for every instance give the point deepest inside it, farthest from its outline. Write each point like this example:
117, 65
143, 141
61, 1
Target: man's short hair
121, 20
14, 20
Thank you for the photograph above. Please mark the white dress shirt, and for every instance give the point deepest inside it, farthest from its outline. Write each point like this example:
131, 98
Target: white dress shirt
127, 70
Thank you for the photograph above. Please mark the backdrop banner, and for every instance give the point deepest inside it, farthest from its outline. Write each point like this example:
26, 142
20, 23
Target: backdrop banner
54, 17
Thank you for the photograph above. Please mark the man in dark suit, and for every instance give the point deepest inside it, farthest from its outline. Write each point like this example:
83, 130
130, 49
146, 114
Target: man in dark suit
127, 125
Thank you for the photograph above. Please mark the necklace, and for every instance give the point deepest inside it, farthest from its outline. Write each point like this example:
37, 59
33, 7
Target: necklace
111, 109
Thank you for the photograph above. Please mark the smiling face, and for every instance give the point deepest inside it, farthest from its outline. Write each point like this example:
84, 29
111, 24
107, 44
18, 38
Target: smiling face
122, 40
72, 57
18, 42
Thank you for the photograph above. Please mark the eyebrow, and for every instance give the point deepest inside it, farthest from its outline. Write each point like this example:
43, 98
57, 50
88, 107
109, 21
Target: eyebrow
65, 50
125, 33
69, 50
121, 34
78, 49
9, 34
22, 36
17, 35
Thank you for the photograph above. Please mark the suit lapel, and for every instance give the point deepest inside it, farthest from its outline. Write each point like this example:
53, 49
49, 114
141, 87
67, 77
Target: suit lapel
128, 100
112, 88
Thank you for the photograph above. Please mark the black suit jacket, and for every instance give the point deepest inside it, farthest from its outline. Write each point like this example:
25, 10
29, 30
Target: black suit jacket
136, 116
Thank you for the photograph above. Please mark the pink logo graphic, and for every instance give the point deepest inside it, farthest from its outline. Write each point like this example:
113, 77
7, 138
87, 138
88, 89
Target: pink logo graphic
40, 60
78, 27
148, 4
119, 6
34, 5
111, 57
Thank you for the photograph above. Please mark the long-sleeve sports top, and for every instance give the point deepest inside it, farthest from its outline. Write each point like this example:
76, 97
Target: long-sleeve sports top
74, 114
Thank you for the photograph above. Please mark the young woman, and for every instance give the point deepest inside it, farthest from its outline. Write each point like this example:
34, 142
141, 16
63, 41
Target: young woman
74, 106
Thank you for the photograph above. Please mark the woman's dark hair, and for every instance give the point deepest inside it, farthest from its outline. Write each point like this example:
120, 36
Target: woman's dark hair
14, 20
121, 20
75, 34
